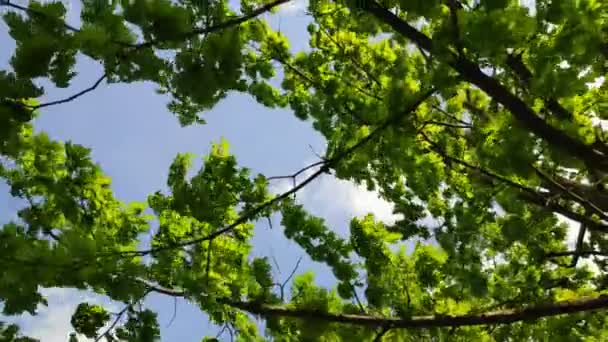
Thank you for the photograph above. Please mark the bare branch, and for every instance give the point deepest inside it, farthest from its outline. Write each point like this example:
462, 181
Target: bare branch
451, 116
174, 312
299, 172
293, 272
72, 97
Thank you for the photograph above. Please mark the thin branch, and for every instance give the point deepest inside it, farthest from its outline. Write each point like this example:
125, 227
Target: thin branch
446, 124
218, 27
582, 201
293, 272
363, 69
299, 172
32, 12
208, 265
581, 253
72, 97
328, 163
119, 316
451, 116
357, 299
515, 63
454, 6
174, 312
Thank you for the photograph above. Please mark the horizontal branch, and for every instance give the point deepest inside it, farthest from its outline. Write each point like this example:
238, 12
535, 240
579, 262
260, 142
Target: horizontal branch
529, 313
582, 253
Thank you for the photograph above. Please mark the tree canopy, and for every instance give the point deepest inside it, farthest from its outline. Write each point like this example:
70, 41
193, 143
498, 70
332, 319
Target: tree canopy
482, 121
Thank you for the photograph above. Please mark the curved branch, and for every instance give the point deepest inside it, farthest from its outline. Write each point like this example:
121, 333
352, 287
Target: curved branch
73, 97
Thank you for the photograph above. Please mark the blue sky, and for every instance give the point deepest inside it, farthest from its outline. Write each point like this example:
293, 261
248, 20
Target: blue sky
135, 138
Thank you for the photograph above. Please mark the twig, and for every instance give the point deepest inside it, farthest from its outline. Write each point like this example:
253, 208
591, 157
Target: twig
208, 265
446, 124
293, 272
299, 172
119, 316
357, 299
583, 201
451, 116
174, 312
582, 253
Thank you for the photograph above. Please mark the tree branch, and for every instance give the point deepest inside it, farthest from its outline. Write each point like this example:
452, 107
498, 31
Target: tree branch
473, 74
218, 27
515, 63
527, 194
72, 97
529, 313
581, 253
328, 163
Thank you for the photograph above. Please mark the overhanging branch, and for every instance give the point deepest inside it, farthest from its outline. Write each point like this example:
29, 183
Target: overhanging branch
529, 313
471, 72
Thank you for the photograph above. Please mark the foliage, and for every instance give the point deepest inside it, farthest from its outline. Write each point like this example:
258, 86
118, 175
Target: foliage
476, 119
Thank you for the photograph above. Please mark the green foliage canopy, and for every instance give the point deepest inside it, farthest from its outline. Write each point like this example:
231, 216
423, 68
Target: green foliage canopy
476, 114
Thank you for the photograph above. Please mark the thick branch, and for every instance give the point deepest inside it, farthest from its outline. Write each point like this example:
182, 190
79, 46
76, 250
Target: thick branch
525, 75
518, 108
498, 317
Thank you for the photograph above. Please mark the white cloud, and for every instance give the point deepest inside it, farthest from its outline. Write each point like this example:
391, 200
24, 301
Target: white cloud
330, 197
52, 323
293, 7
